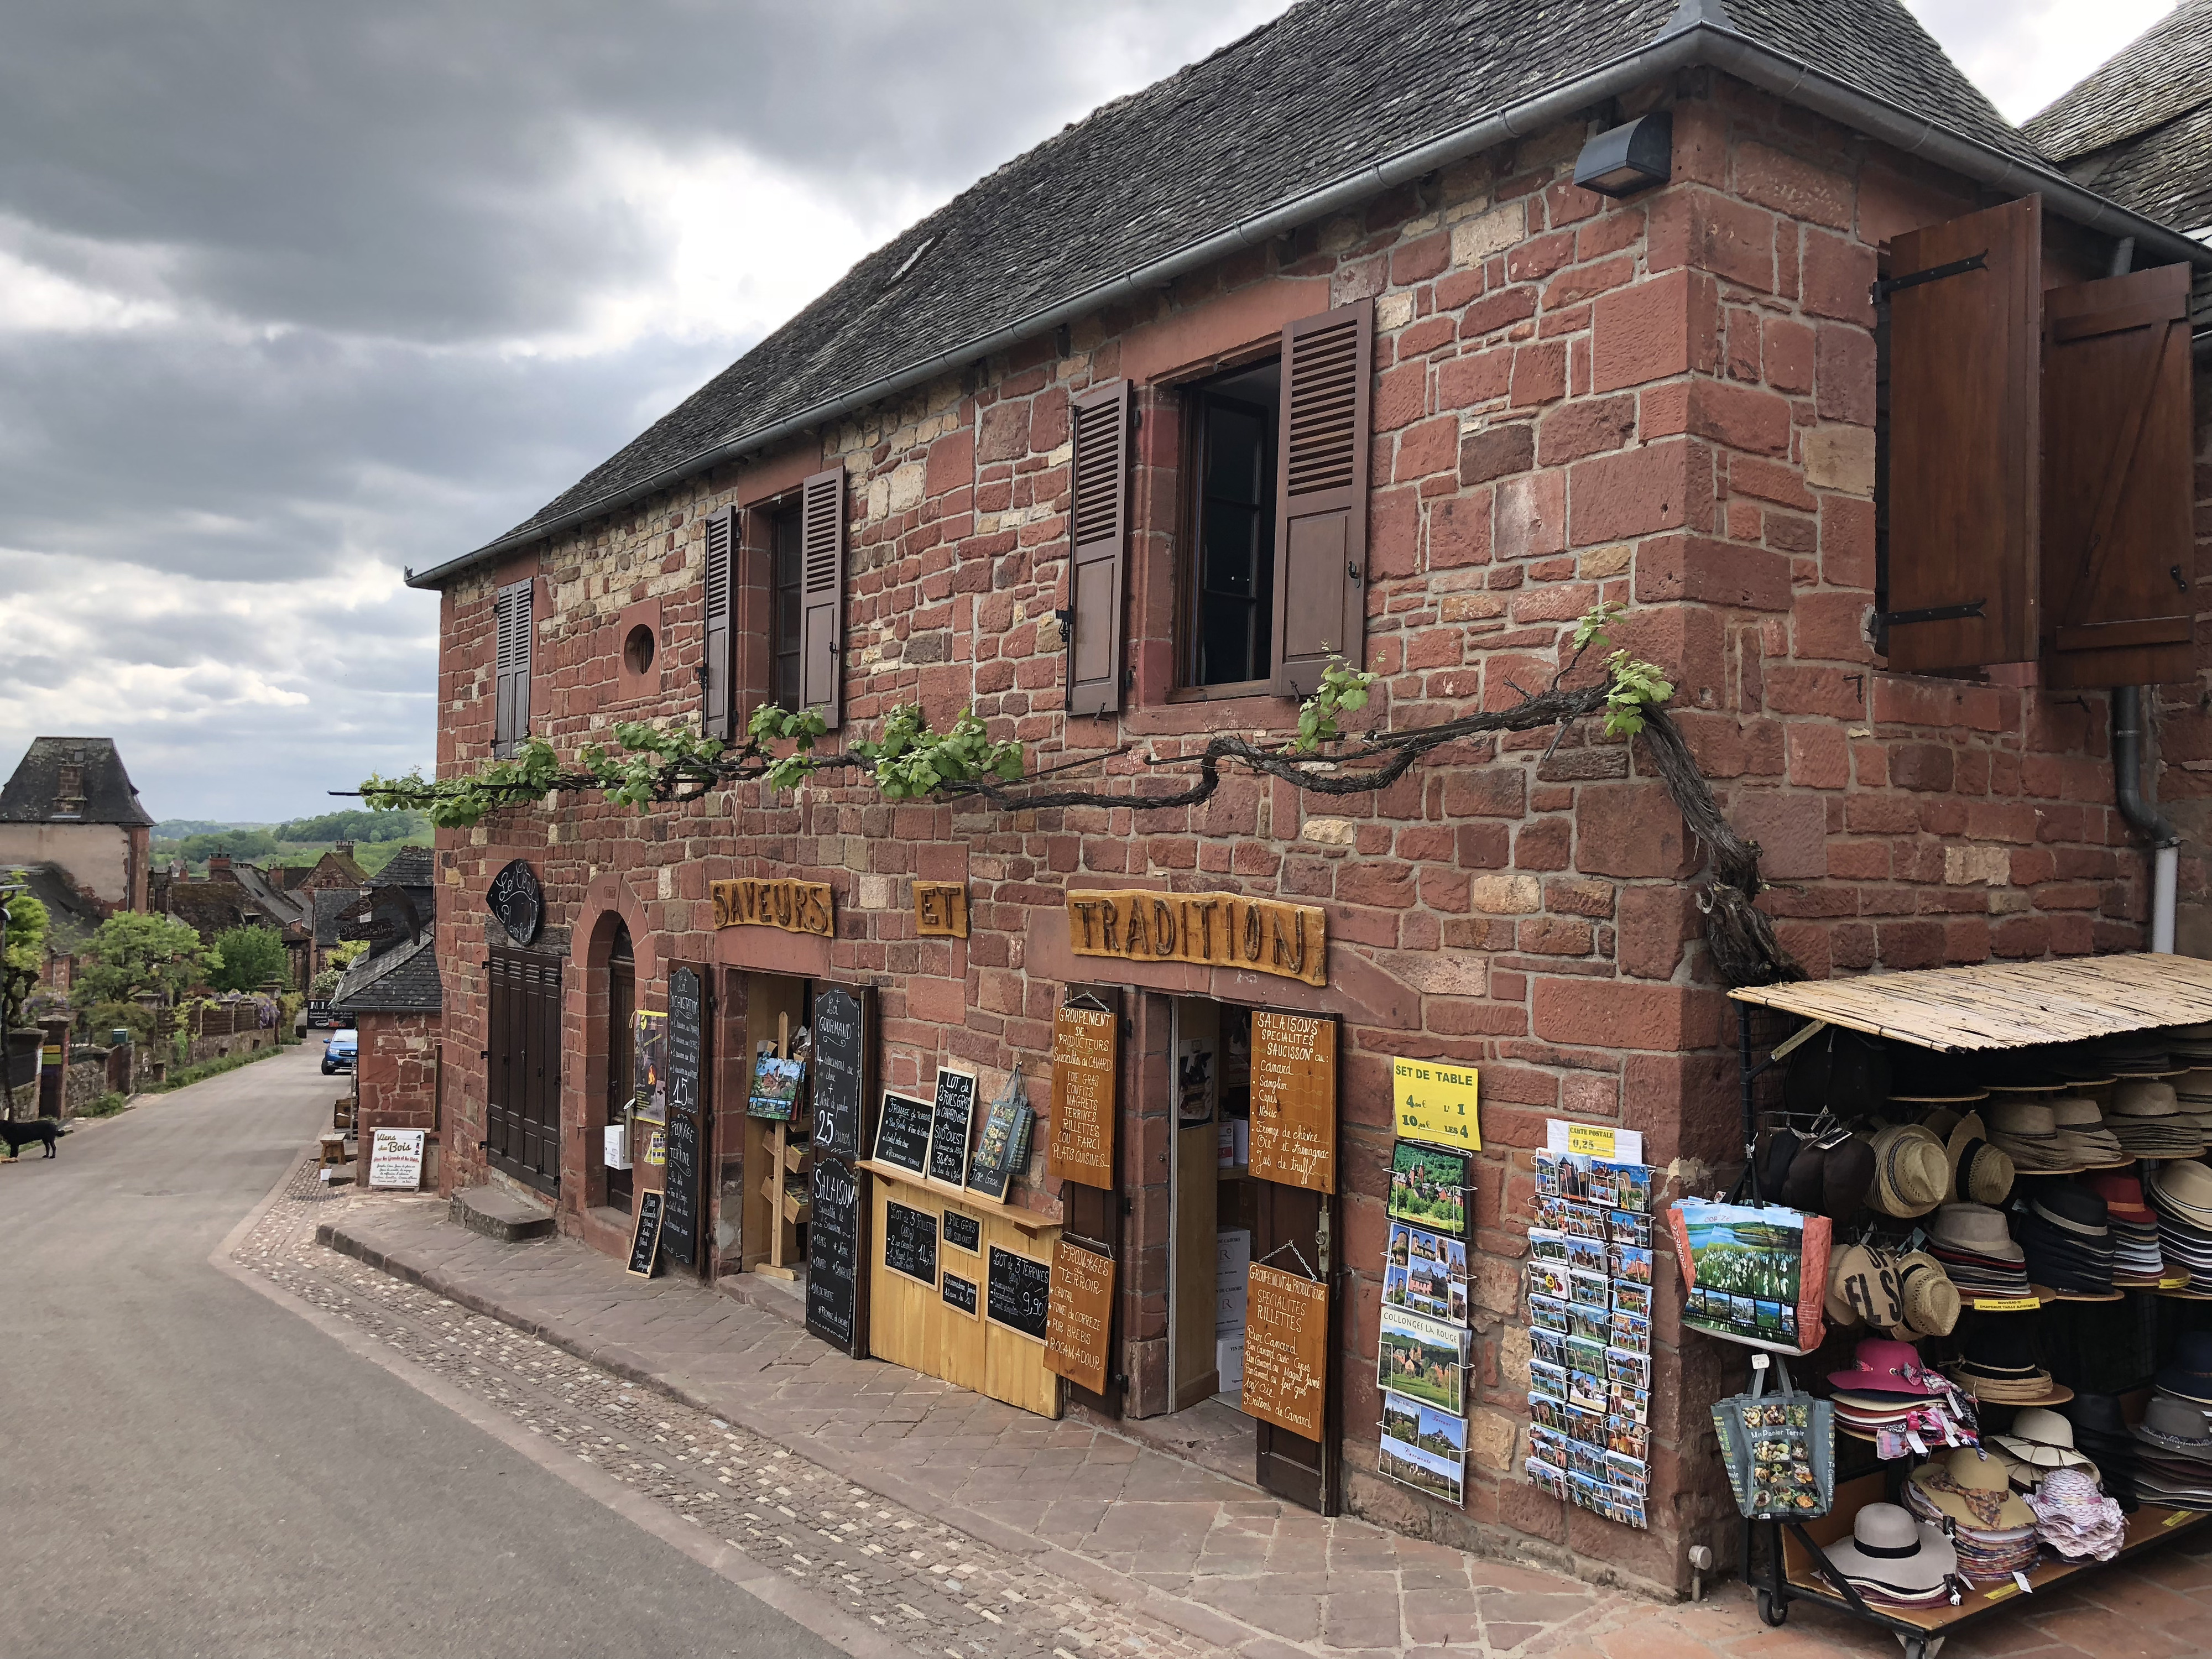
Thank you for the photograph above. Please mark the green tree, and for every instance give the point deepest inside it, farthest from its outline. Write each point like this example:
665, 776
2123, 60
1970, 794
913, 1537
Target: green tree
132, 953
357, 825
250, 955
27, 949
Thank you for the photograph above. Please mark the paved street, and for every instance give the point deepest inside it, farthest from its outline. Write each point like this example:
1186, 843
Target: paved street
186, 1468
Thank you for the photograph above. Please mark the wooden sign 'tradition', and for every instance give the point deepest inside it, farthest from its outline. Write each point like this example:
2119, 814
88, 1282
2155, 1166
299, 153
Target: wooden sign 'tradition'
1223, 930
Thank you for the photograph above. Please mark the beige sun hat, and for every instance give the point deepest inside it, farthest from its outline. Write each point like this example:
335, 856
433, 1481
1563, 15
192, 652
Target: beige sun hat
1980, 1173
1910, 1175
2080, 1125
1932, 1303
2029, 1134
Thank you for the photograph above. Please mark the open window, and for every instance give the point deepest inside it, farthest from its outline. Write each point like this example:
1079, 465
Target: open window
774, 601
1228, 598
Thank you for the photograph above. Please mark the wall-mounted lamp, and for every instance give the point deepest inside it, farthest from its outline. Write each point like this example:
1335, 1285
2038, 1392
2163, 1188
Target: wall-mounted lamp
1626, 159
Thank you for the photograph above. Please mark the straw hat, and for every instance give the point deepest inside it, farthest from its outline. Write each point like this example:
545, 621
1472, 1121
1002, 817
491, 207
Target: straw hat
1932, 1300
1973, 1490
2042, 1439
2029, 1135
1976, 1229
1911, 1176
1889, 1551
1979, 1171
2183, 1189
2081, 1124
1862, 1286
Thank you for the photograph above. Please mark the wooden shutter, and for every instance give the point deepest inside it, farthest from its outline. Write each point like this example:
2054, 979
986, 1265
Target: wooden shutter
719, 658
2119, 553
1964, 440
1098, 516
822, 596
511, 613
1321, 513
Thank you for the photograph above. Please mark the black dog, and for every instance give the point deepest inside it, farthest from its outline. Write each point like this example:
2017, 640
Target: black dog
20, 1135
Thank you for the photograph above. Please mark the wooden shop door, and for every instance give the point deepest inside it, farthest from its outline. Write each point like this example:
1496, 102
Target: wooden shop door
522, 1072
1299, 1223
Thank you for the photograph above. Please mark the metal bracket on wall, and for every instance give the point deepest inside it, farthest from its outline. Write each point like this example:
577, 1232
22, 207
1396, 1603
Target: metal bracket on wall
1970, 609
1889, 285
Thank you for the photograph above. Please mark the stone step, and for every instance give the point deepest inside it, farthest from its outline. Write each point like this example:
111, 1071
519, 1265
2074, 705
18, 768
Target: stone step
499, 1215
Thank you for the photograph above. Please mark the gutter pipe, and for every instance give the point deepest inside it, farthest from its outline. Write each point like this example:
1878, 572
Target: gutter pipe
1699, 35
2142, 817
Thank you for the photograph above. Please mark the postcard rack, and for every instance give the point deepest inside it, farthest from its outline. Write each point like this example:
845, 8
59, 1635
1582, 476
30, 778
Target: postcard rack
1793, 1565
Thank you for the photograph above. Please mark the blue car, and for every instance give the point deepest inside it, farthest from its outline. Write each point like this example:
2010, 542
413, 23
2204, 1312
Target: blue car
338, 1050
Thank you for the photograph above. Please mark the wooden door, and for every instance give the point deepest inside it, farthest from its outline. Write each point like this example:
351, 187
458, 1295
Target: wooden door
522, 1083
1296, 1230
1093, 1214
622, 1036
1193, 1243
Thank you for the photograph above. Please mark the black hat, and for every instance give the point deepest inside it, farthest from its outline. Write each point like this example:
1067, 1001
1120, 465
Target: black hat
1846, 1176
2096, 1415
1775, 1171
1800, 1189
2070, 1207
2187, 1374
1840, 1071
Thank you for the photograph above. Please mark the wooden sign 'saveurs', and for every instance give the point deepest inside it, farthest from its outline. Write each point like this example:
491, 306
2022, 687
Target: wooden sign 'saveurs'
1217, 930
797, 906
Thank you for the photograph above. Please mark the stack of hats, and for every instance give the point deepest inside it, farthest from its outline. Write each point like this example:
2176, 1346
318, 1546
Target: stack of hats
2079, 1063
2133, 1225
1992, 1527
2136, 1053
2027, 1132
1894, 1560
1823, 1178
1887, 1388
2181, 1192
2040, 1442
2102, 1435
2076, 1520
1998, 1367
2174, 1467
2067, 1239
2147, 1120
1977, 1250
1980, 1173
2187, 1374
1863, 1288
2192, 1092
1910, 1175
2082, 1125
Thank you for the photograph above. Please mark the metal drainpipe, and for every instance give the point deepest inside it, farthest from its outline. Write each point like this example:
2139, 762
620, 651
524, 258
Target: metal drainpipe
2142, 817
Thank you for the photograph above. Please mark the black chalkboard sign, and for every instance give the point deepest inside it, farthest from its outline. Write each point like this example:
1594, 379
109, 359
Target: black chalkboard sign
952, 1117
1021, 1292
645, 1242
959, 1292
841, 1051
516, 899
962, 1231
833, 1251
910, 1242
679, 1226
902, 1132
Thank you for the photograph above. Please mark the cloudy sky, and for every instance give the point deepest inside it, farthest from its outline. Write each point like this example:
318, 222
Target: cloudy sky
296, 293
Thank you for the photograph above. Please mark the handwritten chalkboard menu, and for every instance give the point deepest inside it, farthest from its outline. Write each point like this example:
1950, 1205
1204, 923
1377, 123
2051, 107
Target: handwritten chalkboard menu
1294, 1100
833, 1252
645, 1242
1020, 1294
1084, 1048
910, 1242
679, 1226
958, 1294
902, 1132
963, 1231
840, 1070
1080, 1316
952, 1118
1285, 1348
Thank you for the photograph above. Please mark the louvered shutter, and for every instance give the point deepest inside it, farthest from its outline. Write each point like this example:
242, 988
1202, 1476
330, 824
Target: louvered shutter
1965, 440
1321, 513
822, 596
2119, 553
511, 666
1097, 557
719, 660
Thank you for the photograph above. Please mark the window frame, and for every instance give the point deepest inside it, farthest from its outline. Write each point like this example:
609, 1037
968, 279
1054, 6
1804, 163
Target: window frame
1186, 548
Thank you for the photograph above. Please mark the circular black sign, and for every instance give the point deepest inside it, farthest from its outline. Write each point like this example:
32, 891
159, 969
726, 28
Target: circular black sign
517, 902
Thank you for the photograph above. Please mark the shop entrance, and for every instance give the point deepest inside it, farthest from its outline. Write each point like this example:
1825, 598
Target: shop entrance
522, 1082
1223, 1220
779, 1016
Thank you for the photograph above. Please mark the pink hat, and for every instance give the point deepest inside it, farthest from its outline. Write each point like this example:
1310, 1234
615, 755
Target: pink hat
1888, 1367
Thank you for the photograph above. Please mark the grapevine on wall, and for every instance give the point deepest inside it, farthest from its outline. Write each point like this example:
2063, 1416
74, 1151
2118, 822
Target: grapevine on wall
911, 761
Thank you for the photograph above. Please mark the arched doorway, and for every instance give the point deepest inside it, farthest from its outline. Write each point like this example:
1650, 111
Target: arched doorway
622, 1034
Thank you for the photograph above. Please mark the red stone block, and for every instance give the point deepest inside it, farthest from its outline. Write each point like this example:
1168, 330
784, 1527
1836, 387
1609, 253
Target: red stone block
1583, 282
1478, 378
1771, 481
1531, 516
1792, 690
1616, 1014
1790, 354
1846, 362
1820, 755
1791, 831
1494, 311
951, 462
1710, 572
1544, 844
1539, 256
1838, 274
1585, 427
1459, 531
1654, 924
1003, 432
1631, 830
1642, 333
1426, 449
1831, 626
1540, 373
1661, 486
1781, 181
1741, 416
1417, 262
1497, 451
1847, 542
1924, 766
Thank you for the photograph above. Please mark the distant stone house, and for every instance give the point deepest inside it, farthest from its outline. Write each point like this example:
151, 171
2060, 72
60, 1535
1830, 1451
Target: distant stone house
393, 997
237, 895
71, 805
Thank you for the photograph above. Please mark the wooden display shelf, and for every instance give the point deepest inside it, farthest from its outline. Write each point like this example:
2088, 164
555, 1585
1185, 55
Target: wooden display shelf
2149, 1525
1028, 1220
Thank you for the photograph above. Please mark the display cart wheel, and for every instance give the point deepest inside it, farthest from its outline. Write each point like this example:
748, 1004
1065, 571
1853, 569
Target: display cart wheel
1773, 1611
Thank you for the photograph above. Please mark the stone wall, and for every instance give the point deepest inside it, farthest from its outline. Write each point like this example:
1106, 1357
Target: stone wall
1667, 403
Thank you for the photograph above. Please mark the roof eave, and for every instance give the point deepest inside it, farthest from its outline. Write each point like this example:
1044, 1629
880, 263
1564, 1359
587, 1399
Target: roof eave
1693, 37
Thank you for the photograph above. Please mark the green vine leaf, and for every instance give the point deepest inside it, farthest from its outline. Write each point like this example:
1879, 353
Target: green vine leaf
1342, 690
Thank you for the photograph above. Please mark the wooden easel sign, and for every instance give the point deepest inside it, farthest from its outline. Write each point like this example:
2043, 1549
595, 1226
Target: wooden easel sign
644, 1241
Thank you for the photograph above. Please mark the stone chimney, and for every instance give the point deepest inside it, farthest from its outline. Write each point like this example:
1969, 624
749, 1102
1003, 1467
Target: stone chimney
343, 849
219, 866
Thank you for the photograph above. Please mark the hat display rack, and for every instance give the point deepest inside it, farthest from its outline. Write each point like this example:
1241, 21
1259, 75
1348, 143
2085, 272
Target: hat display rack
1975, 1198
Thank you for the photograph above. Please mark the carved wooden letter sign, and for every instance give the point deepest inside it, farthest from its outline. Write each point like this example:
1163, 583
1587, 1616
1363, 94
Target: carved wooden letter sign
797, 906
940, 909
1222, 930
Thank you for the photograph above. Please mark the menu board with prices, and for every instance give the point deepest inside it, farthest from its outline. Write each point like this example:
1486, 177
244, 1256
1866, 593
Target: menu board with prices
1294, 1100
1085, 1050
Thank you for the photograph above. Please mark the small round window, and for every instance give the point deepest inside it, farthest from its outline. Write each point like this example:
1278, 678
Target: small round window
637, 650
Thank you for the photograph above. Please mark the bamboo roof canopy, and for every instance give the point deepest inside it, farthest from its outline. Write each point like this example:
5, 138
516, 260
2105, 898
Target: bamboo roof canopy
2005, 1005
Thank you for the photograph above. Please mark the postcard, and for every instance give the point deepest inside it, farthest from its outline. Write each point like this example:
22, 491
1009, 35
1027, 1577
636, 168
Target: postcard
1547, 1313
1585, 1222
1590, 1289
1546, 1245
1628, 1296
1626, 1227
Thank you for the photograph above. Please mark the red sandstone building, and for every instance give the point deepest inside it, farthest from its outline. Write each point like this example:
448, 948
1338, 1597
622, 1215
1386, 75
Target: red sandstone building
1318, 349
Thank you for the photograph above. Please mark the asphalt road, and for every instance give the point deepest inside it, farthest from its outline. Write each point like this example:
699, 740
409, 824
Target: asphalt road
186, 1468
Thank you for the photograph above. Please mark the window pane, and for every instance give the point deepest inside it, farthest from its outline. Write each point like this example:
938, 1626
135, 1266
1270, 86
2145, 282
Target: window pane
1235, 450
785, 616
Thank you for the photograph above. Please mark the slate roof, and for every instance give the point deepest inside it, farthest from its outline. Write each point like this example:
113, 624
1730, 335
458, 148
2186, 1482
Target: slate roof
1320, 94
110, 797
2139, 129
331, 903
71, 918
401, 982
279, 906
410, 866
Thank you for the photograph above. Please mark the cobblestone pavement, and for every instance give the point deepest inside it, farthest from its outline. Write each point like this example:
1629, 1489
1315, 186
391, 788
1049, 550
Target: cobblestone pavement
937, 1591
1102, 1545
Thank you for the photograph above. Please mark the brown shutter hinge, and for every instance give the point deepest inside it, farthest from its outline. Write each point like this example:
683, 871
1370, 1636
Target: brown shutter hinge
1971, 609
1889, 285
